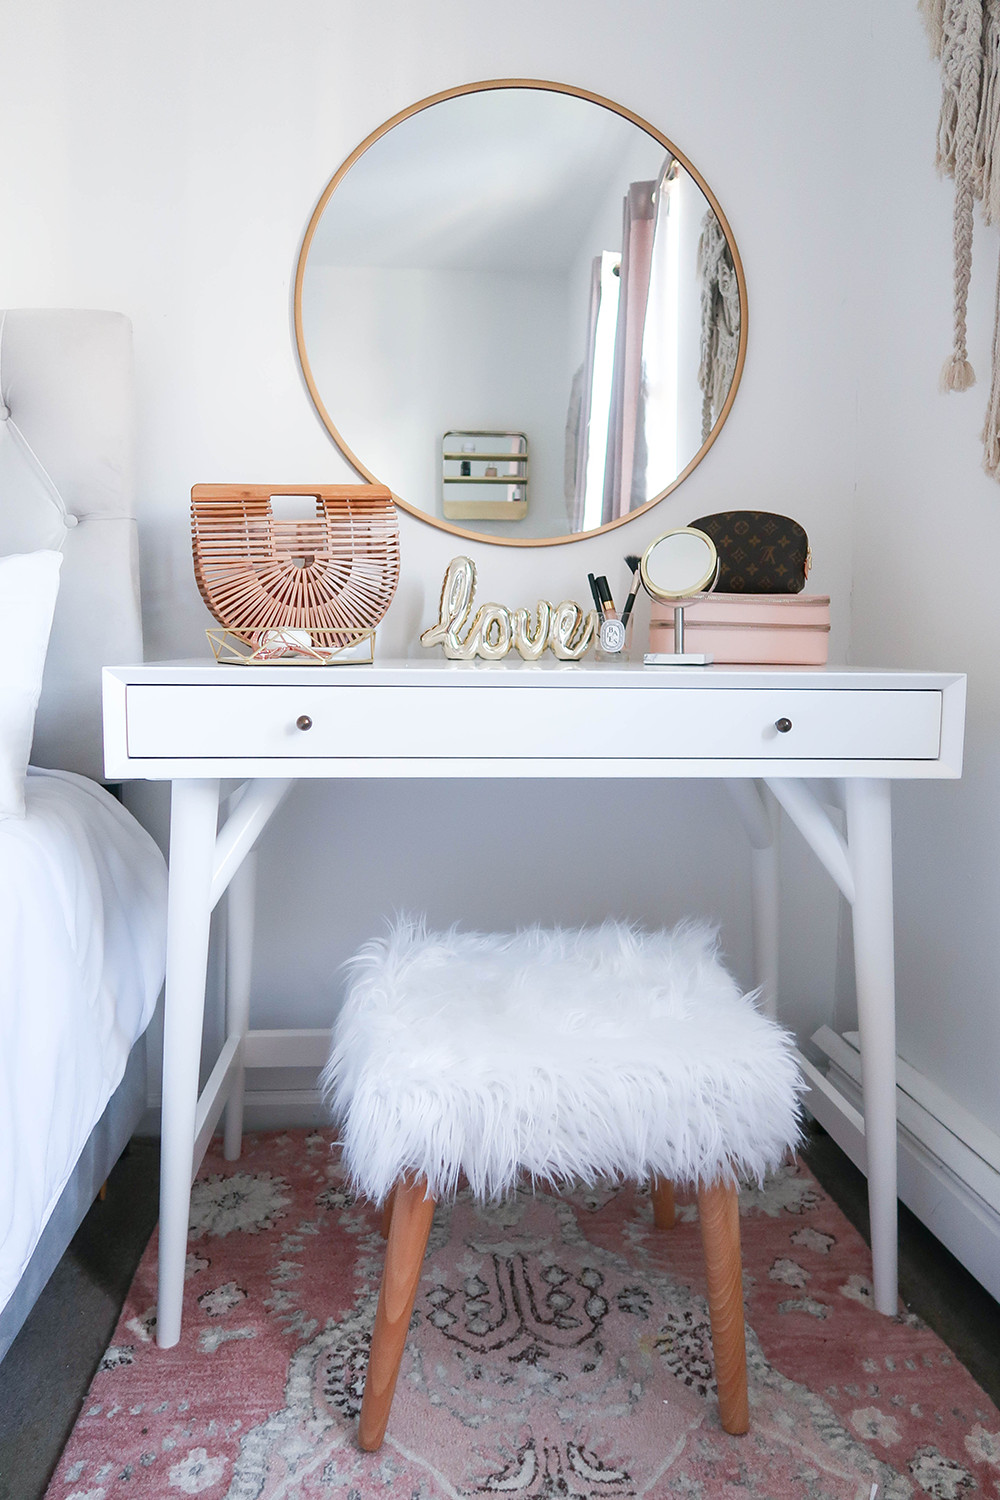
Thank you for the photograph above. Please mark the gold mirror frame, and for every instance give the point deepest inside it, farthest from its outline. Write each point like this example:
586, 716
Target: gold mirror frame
300, 269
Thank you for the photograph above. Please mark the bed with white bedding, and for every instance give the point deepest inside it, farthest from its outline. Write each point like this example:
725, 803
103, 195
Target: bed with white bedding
82, 885
82, 930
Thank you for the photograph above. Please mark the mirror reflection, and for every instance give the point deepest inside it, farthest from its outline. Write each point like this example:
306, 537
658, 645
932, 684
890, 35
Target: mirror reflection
520, 269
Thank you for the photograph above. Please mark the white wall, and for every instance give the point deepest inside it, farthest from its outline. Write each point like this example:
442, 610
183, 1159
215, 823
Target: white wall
164, 160
927, 537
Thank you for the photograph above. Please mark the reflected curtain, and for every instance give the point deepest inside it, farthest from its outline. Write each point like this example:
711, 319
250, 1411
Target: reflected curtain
626, 388
578, 415
656, 418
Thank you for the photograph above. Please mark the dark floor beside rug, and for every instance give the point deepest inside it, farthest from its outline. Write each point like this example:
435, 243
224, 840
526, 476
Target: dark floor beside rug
48, 1370
51, 1363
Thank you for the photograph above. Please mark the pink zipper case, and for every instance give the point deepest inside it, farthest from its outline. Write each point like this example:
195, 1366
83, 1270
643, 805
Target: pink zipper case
762, 629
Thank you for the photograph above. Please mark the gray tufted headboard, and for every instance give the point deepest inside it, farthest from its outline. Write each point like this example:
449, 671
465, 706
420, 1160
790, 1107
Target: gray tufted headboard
66, 482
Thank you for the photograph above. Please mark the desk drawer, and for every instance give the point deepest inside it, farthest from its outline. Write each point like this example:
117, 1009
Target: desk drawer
530, 723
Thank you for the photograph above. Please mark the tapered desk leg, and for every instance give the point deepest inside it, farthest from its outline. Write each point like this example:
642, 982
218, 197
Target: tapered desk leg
240, 897
759, 812
194, 812
765, 886
869, 832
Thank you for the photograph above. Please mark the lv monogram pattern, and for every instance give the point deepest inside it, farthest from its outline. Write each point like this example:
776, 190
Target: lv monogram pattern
759, 553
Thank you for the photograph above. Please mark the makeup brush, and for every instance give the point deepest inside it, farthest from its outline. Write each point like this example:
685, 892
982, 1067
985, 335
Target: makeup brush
633, 563
607, 599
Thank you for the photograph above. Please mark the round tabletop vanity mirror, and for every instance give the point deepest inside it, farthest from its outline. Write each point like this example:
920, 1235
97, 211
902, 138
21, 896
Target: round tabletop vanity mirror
521, 308
679, 564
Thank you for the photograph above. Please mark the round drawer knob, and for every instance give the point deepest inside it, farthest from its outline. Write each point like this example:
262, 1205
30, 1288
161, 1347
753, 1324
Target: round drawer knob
782, 725
304, 722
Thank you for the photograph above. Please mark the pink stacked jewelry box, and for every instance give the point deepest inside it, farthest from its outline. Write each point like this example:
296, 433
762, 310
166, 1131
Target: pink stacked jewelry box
760, 629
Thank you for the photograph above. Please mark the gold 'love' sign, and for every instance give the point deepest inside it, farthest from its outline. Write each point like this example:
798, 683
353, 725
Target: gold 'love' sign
564, 629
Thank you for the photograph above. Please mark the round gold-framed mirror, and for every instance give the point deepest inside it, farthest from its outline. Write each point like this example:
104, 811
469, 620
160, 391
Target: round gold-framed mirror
520, 307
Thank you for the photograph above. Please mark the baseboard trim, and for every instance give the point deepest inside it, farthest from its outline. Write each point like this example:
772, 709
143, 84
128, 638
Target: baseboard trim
270, 1109
267, 1109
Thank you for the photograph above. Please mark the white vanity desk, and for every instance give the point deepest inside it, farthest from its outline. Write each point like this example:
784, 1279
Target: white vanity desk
784, 729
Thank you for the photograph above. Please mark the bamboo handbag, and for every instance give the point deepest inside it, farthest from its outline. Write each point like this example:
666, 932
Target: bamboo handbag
310, 588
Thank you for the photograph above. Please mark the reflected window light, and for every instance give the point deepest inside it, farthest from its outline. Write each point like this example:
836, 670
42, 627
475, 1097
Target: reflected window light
600, 395
660, 354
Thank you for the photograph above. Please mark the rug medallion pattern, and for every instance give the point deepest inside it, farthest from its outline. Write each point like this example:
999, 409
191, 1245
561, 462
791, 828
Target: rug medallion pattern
560, 1347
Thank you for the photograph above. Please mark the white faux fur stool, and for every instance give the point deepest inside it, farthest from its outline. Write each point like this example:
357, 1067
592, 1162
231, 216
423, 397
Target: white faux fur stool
555, 1056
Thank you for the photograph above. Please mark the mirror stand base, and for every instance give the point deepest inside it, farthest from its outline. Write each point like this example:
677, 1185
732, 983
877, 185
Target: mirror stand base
677, 659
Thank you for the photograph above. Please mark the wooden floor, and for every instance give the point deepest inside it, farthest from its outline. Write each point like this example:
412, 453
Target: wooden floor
48, 1370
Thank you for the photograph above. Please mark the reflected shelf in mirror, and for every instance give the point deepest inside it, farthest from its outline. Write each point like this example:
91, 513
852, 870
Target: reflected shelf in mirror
484, 476
532, 259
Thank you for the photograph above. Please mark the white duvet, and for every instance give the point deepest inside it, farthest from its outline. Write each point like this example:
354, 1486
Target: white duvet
82, 933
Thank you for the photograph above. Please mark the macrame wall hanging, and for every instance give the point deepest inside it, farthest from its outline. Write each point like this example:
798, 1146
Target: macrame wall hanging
965, 36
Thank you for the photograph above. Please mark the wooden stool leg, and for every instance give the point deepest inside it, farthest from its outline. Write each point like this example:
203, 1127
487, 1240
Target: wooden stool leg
387, 1213
412, 1213
719, 1213
661, 1190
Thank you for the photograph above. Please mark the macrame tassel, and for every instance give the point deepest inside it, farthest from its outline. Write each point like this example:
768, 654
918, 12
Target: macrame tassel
957, 374
991, 427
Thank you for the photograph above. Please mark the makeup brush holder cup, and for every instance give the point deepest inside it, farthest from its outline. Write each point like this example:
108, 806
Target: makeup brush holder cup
613, 639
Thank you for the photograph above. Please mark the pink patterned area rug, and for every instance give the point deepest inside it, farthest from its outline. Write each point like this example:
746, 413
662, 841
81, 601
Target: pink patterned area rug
560, 1347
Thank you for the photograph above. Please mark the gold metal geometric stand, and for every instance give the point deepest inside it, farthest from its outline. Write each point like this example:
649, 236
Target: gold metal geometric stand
292, 648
